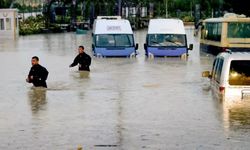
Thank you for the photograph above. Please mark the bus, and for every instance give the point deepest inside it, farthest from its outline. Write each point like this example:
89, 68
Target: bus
229, 32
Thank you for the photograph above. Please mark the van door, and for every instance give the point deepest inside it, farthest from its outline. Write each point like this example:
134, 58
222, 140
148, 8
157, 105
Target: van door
239, 79
216, 77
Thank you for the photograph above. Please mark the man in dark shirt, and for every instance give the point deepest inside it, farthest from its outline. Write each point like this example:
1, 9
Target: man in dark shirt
38, 74
83, 59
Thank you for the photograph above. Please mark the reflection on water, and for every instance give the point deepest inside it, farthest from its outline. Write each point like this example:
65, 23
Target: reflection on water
239, 117
37, 98
80, 78
236, 114
84, 74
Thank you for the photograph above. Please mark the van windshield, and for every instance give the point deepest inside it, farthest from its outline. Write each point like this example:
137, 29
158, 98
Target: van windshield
167, 40
239, 72
114, 40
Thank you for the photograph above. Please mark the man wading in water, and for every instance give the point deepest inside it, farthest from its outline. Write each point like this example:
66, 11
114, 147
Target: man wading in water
83, 59
38, 74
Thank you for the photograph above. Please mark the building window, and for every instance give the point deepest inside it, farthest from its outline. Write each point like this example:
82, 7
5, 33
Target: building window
8, 23
1, 24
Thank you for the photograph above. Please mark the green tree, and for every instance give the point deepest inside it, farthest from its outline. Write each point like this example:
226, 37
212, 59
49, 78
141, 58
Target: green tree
5, 3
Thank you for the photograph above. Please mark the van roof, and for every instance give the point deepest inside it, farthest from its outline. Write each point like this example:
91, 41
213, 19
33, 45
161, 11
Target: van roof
166, 26
104, 26
109, 17
235, 55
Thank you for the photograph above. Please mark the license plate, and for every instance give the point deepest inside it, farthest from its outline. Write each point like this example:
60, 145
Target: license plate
245, 94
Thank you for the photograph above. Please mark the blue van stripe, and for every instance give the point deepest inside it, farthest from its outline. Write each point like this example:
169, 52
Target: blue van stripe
114, 52
167, 51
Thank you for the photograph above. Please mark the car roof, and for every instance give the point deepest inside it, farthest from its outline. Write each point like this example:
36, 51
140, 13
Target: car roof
235, 55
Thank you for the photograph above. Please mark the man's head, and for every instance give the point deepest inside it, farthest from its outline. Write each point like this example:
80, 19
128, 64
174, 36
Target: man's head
81, 49
34, 60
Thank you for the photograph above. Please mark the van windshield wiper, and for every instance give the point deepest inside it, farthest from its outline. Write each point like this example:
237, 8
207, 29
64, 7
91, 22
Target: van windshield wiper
173, 42
155, 42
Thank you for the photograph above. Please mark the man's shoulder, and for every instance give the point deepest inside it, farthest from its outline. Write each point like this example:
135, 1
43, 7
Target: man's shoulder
86, 55
41, 67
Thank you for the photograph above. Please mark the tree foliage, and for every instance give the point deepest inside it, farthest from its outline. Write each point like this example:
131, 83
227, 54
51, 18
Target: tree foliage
5, 3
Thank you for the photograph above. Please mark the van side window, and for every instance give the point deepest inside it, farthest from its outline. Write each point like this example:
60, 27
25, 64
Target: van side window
214, 67
219, 70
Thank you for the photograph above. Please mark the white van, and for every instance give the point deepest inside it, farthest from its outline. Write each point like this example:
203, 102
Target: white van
230, 76
166, 37
113, 36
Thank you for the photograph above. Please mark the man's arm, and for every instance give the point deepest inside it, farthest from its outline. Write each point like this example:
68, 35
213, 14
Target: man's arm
75, 62
89, 61
30, 77
45, 74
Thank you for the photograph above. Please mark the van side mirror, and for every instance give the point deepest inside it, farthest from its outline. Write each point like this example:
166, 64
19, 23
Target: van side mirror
206, 74
136, 46
191, 46
93, 47
145, 46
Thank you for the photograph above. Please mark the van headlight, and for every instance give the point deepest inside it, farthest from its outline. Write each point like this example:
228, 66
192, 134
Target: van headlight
150, 55
132, 55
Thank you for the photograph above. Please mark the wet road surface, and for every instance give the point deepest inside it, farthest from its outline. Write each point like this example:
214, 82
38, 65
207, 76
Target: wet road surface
123, 104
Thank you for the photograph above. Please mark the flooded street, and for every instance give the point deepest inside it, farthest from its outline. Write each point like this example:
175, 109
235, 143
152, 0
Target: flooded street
123, 104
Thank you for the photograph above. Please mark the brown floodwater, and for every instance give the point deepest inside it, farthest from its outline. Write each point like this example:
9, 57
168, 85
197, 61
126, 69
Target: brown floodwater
123, 103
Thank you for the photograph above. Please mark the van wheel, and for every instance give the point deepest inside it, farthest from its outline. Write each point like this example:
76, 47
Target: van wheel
151, 56
133, 55
184, 56
99, 56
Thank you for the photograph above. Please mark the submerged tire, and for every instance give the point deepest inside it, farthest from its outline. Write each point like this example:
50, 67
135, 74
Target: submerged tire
184, 56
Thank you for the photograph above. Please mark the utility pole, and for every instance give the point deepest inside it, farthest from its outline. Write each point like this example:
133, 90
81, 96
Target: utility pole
221, 7
191, 8
23, 10
73, 9
166, 5
119, 7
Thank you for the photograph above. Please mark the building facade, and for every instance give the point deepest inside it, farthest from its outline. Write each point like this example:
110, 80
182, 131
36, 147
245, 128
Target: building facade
9, 27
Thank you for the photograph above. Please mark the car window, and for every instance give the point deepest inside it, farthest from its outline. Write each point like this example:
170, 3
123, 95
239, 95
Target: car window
239, 73
214, 67
219, 70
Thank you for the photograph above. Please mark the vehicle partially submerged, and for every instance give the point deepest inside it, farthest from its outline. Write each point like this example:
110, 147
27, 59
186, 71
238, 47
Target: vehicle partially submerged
113, 36
166, 37
230, 76
229, 32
